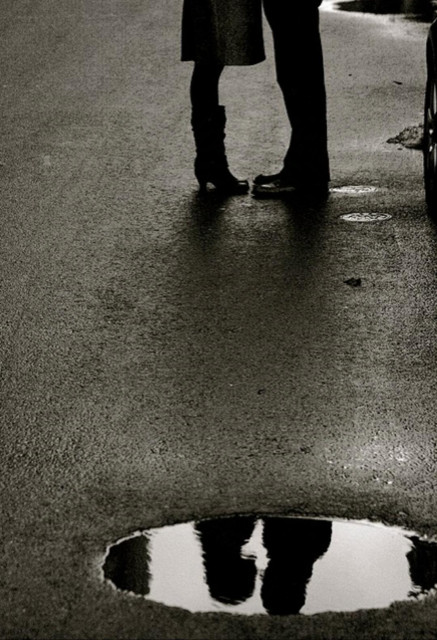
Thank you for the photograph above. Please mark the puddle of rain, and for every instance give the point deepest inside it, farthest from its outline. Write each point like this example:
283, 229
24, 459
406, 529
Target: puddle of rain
273, 565
421, 10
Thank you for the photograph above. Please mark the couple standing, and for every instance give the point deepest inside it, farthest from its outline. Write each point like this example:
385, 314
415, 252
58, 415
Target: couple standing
216, 33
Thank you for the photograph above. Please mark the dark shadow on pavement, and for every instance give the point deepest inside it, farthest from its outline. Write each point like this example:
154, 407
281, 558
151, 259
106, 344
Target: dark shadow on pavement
206, 209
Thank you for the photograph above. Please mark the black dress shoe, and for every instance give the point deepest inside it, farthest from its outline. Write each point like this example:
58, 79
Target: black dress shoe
277, 185
261, 179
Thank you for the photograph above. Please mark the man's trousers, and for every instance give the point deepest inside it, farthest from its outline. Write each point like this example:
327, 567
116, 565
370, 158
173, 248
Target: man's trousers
300, 75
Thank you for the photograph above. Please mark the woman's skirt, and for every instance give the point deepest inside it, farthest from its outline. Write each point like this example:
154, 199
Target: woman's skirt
225, 31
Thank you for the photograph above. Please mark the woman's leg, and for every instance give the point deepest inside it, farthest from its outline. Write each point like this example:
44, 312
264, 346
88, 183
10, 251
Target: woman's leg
204, 88
208, 121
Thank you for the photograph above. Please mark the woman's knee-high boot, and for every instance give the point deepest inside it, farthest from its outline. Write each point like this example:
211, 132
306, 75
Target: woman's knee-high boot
211, 165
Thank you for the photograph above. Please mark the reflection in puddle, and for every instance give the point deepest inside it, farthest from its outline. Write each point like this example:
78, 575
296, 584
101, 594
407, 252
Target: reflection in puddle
273, 565
419, 9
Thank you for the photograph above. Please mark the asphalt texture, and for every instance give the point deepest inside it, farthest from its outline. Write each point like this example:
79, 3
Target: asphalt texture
168, 357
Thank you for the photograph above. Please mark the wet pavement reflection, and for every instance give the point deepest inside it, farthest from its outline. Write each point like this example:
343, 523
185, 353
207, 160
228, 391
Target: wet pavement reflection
291, 548
273, 565
417, 9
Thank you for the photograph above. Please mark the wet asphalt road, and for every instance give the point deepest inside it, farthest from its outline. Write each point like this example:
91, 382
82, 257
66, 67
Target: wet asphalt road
167, 357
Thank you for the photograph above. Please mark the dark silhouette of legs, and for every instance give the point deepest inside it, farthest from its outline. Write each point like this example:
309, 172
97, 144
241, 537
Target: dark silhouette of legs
230, 577
300, 75
293, 545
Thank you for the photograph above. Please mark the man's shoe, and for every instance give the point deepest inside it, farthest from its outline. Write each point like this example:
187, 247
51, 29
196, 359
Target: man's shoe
261, 179
277, 186
273, 188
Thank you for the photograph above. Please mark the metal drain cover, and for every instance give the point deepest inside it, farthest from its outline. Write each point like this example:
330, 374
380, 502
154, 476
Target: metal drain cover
366, 217
354, 190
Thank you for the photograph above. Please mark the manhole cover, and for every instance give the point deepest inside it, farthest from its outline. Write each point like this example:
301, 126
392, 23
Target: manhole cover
273, 565
354, 189
366, 217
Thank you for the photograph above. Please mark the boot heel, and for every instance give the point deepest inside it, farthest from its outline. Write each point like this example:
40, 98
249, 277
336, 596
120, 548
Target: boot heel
219, 176
211, 164
201, 175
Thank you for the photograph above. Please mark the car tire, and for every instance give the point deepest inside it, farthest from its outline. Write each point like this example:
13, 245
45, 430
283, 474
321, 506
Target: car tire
430, 143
